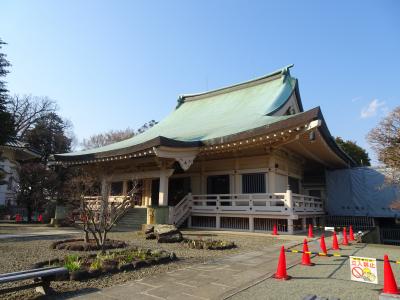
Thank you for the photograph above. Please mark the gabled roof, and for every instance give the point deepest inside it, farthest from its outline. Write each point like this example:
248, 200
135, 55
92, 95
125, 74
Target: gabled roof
23, 149
199, 118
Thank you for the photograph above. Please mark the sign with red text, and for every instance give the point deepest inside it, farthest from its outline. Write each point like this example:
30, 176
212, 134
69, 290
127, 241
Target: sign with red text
363, 269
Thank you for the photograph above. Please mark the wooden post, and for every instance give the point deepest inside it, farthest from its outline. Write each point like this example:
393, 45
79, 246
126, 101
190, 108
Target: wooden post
304, 224
290, 226
289, 200
163, 191
251, 224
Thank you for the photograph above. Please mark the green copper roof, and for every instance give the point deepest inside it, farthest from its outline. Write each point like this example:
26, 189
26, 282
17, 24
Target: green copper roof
218, 113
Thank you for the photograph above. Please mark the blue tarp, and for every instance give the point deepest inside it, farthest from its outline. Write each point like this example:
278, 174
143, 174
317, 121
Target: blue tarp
360, 192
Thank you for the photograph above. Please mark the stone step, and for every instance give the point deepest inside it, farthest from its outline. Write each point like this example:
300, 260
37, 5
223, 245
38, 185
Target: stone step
132, 220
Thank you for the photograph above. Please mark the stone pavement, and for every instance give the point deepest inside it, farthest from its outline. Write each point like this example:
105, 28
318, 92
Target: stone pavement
212, 280
249, 276
329, 278
39, 233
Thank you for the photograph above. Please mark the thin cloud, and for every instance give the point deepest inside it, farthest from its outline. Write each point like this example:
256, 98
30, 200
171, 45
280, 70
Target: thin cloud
355, 99
373, 108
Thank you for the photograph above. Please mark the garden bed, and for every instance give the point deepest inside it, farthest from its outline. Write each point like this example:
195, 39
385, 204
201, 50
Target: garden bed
95, 265
208, 244
81, 245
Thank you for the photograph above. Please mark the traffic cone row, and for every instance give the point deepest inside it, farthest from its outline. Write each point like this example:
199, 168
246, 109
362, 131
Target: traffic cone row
389, 282
345, 241
281, 269
18, 218
335, 244
275, 230
306, 259
351, 234
310, 231
323, 245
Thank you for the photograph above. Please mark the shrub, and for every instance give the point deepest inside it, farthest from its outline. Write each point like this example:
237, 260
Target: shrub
72, 263
96, 264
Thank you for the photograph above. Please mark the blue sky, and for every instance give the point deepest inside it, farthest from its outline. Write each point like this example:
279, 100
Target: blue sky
118, 64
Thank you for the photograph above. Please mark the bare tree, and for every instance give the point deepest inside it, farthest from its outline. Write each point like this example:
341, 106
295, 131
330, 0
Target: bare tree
99, 218
113, 136
27, 110
385, 140
103, 139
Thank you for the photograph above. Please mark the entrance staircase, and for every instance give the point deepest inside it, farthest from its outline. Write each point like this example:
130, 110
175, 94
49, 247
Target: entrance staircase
132, 220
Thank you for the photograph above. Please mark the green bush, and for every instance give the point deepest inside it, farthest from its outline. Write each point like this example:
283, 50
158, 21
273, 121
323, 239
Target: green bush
72, 262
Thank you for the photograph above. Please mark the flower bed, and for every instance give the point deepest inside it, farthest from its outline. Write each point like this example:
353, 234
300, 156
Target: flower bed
90, 266
208, 244
81, 245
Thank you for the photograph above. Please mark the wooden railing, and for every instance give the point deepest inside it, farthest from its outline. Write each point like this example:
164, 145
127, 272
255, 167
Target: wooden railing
241, 203
246, 204
306, 204
94, 202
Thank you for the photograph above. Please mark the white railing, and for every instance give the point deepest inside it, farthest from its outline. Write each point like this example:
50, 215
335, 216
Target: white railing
246, 204
306, 204
94, 202
181, 211
241, 203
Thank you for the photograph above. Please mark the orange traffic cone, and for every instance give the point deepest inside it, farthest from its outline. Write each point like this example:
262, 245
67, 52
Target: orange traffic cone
351, 234
345, 241
323, 245
281, 270
310, 231
305, 259
275, 230
389, 282
335, 244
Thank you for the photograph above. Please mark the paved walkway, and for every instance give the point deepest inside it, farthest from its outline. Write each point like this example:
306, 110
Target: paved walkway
12, 231
39, 233
249, 276
212, 280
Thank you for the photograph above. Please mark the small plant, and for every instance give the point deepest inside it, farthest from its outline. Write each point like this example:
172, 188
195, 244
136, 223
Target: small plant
106, 256
122, 262
72, 263
96, 265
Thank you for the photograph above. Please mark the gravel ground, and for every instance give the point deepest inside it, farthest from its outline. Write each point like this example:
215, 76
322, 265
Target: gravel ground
20, 254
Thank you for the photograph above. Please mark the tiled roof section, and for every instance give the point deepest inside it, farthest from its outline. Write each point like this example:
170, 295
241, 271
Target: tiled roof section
215, 114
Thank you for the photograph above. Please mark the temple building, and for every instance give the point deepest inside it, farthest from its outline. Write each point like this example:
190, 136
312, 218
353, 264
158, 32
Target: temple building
12, 154
242, 157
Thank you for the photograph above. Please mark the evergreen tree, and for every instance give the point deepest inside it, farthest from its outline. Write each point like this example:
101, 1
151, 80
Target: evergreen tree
6, 120
358, 154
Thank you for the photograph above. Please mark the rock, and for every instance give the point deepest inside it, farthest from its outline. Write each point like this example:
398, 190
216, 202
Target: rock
148, 228
165, 229
165, 233
150, 236
175, 237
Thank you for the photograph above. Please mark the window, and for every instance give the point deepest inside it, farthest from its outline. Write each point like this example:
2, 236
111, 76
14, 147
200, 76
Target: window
218, 184
116, 188
294, 185
253, 183
315, 193
281, 183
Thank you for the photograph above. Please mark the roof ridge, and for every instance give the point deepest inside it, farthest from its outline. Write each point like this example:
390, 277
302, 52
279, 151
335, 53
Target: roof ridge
280, 72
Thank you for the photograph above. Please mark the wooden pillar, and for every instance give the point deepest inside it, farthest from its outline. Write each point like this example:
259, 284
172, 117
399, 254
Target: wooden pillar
290, 226
304, 224
217, 222
289, 201
251, 223
163, 191
271, 176
124, 187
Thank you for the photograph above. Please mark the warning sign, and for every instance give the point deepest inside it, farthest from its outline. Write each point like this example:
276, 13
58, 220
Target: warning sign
363, 269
